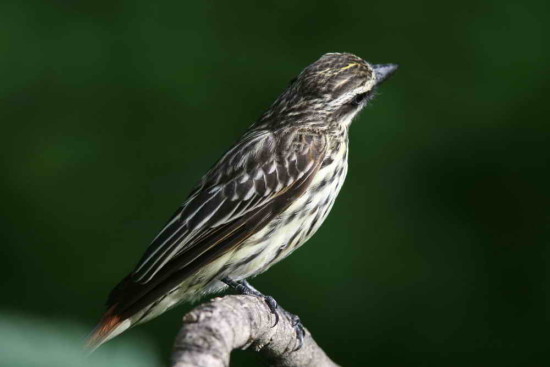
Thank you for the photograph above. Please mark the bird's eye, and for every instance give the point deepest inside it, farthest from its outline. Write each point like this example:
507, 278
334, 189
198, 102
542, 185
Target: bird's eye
358, 99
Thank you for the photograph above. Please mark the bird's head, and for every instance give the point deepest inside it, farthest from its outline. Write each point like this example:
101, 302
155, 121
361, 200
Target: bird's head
331, 90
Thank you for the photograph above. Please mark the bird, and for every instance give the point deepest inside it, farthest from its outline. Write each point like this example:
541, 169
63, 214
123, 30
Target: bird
264, 198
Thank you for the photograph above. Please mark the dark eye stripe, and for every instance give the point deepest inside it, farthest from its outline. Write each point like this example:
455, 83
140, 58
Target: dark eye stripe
358, 99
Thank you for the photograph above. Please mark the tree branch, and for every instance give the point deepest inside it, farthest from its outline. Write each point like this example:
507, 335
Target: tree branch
212, 330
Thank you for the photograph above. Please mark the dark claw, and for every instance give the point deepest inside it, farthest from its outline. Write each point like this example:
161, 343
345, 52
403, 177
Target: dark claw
273, 307
299, 330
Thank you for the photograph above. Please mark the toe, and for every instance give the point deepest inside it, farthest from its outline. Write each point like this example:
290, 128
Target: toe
271, 303
273, 307
299, 330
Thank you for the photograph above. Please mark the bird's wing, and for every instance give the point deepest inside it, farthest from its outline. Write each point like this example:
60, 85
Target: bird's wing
251, 184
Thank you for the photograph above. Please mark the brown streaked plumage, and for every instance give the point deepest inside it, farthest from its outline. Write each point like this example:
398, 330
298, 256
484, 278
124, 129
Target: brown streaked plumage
264, 198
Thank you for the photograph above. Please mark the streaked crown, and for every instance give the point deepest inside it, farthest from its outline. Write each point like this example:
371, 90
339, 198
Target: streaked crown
336, 74
332, 89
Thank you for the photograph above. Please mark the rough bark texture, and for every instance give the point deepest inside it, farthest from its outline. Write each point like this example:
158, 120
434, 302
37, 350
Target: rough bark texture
212, 330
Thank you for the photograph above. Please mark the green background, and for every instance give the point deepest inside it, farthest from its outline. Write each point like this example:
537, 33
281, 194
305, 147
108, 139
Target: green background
436, 252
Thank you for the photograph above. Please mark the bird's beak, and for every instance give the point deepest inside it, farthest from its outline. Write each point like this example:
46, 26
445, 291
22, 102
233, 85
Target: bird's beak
384, 71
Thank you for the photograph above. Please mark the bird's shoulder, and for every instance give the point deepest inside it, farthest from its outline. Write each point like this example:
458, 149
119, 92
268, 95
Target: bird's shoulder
259, 153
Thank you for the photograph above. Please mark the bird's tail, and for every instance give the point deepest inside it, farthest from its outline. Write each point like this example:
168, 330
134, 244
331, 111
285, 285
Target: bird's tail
109, 326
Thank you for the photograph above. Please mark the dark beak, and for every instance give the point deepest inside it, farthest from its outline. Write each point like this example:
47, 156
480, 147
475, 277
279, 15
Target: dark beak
384, 71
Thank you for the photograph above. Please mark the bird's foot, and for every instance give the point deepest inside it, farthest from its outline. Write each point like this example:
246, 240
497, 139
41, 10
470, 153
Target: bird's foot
243, 287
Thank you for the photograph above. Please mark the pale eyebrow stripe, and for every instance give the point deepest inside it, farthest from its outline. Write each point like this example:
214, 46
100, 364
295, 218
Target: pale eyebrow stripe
350, 65
330, 71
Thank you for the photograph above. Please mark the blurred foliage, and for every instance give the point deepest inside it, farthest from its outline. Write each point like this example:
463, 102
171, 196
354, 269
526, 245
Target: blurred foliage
436, 253
33, 342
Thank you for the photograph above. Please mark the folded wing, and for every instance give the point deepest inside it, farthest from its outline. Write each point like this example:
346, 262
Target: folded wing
250, 185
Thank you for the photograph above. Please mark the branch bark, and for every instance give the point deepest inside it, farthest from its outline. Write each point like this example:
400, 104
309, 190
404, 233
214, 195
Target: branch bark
212, 330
